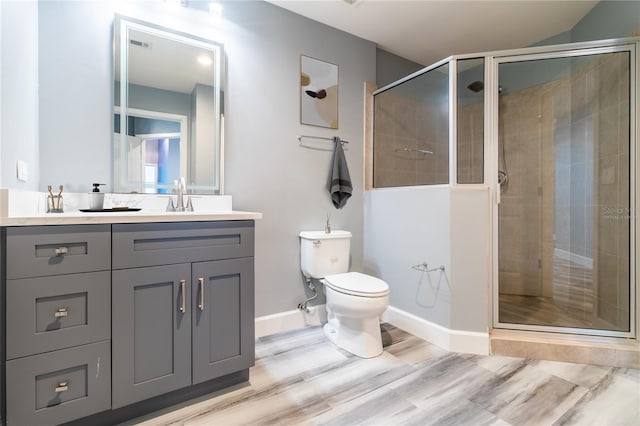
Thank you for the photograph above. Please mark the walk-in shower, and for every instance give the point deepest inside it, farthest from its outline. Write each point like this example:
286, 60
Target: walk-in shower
564, 220
551, 133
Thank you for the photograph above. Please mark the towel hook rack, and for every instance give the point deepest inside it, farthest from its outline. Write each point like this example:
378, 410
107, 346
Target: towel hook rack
423, 267
300, 137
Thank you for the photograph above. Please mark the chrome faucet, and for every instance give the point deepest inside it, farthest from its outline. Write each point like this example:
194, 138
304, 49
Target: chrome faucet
180, 190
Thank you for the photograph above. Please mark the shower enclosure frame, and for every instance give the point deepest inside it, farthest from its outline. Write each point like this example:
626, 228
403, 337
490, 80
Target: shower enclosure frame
492, 62
490, 157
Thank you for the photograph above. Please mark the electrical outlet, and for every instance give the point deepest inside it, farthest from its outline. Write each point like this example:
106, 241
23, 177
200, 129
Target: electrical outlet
22, 171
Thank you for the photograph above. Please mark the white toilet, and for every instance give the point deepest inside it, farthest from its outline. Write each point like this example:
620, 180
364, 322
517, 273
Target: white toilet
355, 301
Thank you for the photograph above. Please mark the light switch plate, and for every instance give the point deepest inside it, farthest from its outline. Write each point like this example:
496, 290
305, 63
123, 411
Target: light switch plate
22, 170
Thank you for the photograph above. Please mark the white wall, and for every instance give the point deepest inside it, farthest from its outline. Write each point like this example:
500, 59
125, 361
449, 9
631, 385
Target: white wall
19, 92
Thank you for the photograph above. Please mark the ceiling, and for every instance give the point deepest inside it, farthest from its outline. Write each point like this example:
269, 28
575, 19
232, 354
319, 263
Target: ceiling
426, 31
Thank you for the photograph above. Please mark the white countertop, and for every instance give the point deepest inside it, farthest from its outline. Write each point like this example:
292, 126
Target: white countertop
26, 208
80, 218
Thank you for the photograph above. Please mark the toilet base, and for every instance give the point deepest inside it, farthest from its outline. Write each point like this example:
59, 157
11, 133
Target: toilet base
360, 336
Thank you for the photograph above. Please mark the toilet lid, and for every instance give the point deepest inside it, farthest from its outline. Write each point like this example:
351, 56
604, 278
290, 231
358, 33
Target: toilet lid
357, 284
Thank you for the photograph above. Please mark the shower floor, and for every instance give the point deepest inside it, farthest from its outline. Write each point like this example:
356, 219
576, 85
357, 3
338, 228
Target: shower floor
570, 306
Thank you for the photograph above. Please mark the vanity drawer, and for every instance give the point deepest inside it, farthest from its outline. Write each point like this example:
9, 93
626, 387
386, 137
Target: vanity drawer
151, 244
49, 313
59, 386
38, 251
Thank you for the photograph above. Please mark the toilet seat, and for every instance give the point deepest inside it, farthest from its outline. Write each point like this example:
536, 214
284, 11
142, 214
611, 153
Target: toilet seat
357, 284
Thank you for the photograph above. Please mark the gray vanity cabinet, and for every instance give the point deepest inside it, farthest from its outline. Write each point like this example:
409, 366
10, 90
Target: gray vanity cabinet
57, 317
222, 322
183, 305
106, 322
151, 333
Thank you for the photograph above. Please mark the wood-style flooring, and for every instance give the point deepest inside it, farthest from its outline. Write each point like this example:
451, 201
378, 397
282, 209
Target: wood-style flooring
572, 304
300, 378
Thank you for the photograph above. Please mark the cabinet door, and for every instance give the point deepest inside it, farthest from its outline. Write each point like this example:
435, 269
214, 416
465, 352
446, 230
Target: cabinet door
151, 332
223, 317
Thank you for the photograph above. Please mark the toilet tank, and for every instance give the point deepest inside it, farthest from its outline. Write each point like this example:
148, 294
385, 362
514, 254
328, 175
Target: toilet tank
323, 254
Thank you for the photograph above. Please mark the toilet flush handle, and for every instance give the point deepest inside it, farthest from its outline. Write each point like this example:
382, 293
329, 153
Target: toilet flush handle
316, 243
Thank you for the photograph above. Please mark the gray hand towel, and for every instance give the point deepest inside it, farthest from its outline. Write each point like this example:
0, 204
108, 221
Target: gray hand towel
339, 180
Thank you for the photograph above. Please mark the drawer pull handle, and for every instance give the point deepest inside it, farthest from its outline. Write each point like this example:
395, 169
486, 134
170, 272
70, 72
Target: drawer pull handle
62, 250
201, 302
62, 387
61, 312
183, 306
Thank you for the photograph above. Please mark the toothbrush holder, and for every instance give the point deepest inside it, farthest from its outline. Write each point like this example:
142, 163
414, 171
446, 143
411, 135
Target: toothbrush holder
54, 204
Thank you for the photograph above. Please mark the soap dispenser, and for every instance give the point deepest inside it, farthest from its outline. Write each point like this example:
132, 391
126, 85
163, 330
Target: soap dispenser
96, 198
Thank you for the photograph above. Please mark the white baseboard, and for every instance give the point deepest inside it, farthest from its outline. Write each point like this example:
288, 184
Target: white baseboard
290, 320
452, 340
470, 342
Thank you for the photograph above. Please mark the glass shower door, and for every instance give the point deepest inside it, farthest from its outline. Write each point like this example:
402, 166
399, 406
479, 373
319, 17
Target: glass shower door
564, 219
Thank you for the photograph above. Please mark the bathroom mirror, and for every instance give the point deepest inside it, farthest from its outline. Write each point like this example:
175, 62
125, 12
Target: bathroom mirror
167, 103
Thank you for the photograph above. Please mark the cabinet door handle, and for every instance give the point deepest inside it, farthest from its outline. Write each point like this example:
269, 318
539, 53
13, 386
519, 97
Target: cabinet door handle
201, 302
62, 386
61, 250
183, 306
61, 312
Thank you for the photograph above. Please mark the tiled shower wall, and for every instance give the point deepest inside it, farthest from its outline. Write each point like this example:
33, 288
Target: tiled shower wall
402, 126
470, 147
612, 212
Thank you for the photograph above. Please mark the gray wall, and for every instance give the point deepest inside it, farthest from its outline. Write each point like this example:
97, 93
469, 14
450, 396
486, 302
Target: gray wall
19, 92
75, 93
390, 67
405, 227
151, 98
608, 19
265, 168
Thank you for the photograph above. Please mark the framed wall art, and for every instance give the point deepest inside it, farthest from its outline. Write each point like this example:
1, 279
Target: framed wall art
318, 93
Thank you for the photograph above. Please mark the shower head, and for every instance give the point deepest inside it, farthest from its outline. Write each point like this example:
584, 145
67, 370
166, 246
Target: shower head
476, 86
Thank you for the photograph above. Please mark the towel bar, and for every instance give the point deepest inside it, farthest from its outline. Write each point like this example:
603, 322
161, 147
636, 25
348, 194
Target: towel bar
421, 151
318, 137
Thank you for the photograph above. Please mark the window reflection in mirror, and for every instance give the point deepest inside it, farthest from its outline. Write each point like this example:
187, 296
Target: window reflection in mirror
168, 104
